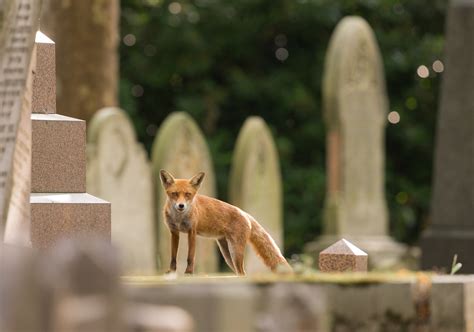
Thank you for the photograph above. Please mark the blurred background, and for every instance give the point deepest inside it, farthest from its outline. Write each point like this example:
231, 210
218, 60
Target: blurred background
222, 61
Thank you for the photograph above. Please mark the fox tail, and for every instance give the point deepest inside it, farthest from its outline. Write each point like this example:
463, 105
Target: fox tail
267, 250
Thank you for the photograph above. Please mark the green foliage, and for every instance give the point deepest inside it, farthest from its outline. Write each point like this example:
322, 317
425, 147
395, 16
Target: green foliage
217, 60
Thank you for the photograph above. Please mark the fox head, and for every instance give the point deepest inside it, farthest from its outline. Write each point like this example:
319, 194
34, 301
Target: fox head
181, 192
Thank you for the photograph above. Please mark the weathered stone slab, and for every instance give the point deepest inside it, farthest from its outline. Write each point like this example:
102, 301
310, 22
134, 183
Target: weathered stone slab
25, 299
320, 302
44, 80
214, 306
88, 296
153, 318
118, 171
58, 154
181, 149
355, 108
255, 183
18, 21
452, 208
343, 256
452, 303
57, 216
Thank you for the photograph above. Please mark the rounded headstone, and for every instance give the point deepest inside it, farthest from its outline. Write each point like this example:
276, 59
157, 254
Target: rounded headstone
180, 148
118, 171
255, 183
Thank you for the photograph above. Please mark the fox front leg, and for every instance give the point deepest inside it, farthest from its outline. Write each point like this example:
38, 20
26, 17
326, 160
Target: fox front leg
191, 252
174, 251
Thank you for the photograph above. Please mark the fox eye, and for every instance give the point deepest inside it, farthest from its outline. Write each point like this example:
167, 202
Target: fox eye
188, 195
174, 194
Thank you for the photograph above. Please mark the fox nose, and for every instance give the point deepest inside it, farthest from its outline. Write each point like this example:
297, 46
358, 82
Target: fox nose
181, 205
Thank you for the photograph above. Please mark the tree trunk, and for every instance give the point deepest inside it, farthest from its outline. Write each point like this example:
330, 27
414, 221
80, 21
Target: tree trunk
86, 34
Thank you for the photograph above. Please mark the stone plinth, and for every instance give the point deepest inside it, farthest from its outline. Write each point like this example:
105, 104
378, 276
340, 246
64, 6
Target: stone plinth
58, 154
44, 76
343, 256
452, 207
56, 216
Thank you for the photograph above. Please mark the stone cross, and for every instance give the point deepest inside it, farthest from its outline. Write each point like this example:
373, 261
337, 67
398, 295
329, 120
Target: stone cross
181, 149
255, 183
343, 256
452, 207
118, 170
355, 109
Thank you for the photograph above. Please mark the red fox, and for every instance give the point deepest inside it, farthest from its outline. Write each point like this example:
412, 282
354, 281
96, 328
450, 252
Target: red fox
188, 212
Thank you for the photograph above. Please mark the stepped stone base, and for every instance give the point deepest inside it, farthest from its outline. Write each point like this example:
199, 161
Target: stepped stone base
56, 216
58, 154
384, 253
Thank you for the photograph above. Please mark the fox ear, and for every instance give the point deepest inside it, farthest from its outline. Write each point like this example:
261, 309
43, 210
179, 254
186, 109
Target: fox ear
196, 180
166, 178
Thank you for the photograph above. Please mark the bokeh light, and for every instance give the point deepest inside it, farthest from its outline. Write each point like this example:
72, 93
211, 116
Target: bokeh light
281, 40
281, 54
423, 71
129, 39
137, 90
438, 66
393, 117
175, 8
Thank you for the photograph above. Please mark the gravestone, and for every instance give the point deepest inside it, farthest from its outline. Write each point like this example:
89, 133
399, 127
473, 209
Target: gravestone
255, 183
181, 149
355, 109
18, 21
60, 206
452, 207
342, 256
118, 171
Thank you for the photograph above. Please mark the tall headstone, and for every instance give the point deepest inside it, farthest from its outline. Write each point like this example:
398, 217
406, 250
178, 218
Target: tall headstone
255, 183
18, 21
181, 149
355, 110
452, 207
60, 206
118, 171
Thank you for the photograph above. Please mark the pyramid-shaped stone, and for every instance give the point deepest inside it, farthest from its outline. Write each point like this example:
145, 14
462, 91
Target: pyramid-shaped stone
343, 256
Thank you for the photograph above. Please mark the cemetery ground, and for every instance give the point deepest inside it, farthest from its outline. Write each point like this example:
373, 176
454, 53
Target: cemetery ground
85, 246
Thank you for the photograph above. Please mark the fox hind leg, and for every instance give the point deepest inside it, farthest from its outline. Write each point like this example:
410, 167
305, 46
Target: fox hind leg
222, 243
237, 250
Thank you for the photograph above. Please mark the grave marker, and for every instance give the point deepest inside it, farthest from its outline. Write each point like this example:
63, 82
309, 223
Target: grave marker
452, 207
18, 23
355, 109
181, 149
118, 170
60, 207
255, 183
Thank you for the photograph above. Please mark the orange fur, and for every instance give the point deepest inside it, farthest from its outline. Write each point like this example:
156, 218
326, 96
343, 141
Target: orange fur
188, 212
